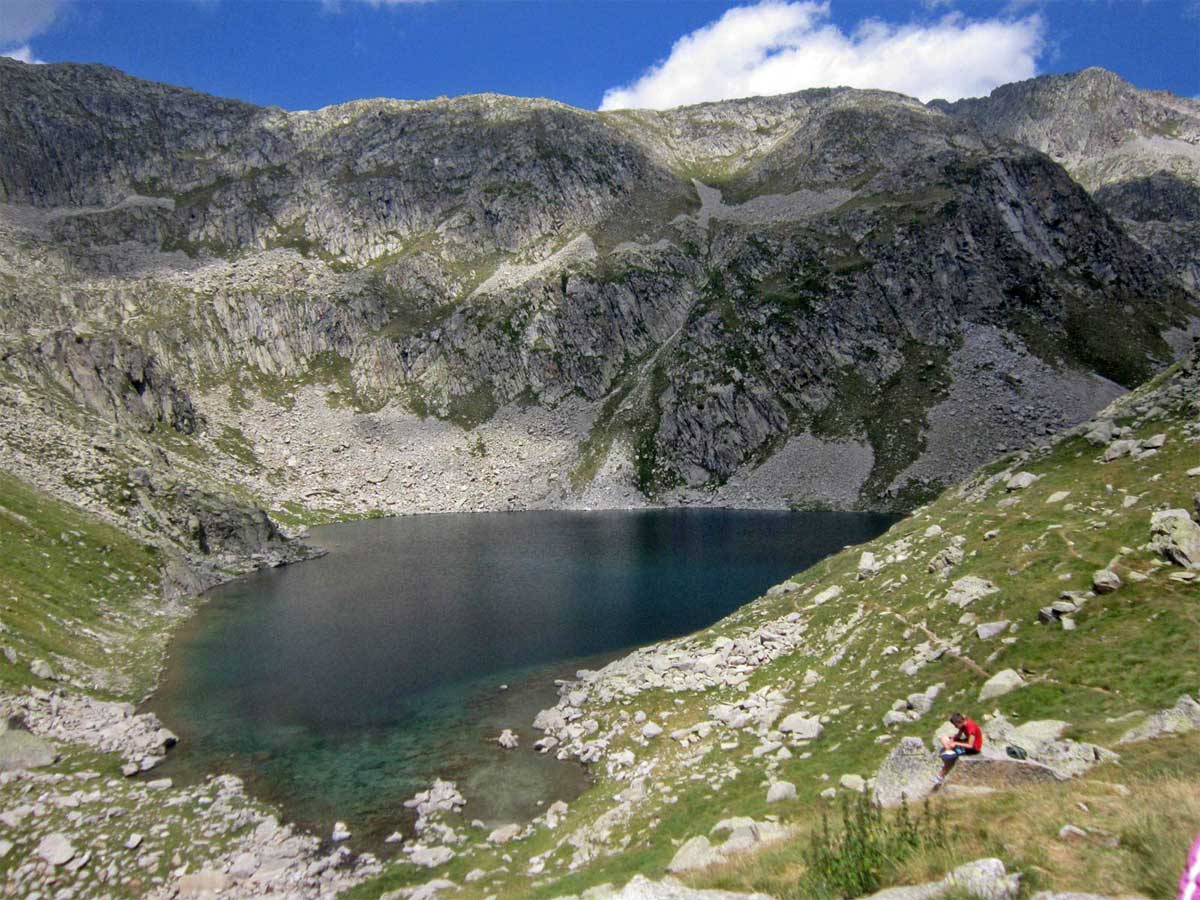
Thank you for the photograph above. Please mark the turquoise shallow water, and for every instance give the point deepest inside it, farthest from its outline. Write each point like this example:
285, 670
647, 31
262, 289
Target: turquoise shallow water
340, 687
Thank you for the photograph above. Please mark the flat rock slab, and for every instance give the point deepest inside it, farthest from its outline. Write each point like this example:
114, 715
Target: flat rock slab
1000, 772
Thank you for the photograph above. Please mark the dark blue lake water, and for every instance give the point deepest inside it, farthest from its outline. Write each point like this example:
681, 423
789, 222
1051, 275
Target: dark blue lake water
340, 687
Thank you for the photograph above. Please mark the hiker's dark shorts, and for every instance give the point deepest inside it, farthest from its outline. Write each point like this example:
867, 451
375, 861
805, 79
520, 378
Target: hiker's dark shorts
959, 751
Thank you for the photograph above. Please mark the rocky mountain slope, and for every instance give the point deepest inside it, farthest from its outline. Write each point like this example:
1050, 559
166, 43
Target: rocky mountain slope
486, 302
1138, 152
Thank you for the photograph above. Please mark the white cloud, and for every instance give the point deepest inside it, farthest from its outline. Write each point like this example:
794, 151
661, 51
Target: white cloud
22, 54
336, 6
22, 19
775, 47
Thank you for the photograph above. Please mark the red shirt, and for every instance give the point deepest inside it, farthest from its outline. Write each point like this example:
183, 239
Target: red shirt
968, 732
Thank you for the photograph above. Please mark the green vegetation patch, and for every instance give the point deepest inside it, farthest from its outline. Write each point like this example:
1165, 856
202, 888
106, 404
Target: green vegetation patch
77, 593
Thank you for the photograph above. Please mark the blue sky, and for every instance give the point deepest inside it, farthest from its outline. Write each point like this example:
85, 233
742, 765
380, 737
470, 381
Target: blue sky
302, 55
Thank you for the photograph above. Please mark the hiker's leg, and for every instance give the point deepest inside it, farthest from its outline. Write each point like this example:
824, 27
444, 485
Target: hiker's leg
949, 758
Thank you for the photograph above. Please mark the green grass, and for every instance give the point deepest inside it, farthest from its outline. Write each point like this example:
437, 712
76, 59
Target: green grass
78, 593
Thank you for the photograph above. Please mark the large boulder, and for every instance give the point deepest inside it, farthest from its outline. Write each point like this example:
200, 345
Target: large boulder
696, 853
1020, 481
968, 589
993, 768
745, 834
56, 849
780, 791
21, 750
801, 727
1001, 683
908, 772
1184, 716
205, 883
1176, 536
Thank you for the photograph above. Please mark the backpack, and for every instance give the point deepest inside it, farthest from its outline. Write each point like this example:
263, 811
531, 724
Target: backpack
1016, 752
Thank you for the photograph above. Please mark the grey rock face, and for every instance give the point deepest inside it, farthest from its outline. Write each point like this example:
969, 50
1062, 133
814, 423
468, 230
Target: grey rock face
111, 376
1134, 149
463, 257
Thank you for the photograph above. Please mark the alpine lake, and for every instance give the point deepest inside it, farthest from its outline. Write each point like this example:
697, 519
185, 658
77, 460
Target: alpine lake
340, 687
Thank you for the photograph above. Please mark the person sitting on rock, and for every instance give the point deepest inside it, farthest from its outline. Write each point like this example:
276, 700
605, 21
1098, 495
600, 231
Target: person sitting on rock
967, 742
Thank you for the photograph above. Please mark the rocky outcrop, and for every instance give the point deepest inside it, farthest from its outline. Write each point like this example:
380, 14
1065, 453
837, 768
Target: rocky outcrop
1136, 150
1183, 717
984, 879
111, 376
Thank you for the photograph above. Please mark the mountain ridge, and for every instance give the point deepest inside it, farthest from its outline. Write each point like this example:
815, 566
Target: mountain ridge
481, 257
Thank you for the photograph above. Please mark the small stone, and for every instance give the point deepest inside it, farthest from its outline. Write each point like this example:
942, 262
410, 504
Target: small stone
780, 791
133, 841
1105, 581
55, 849
1071, 833
651, 730
508, 739
41, 669
504, 834
340, 832
853, 783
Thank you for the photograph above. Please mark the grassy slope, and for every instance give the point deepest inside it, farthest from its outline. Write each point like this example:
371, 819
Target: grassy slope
1133, 651
78, 593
